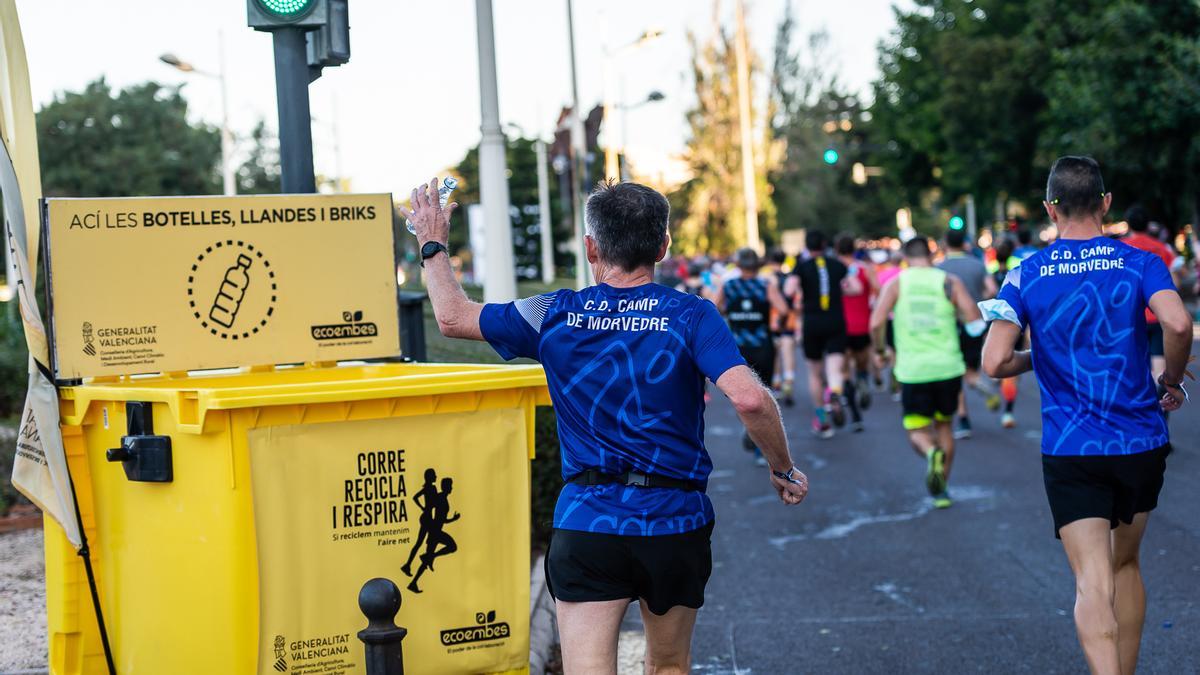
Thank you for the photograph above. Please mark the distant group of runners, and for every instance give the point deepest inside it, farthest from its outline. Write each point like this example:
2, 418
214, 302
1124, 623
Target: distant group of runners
633, 522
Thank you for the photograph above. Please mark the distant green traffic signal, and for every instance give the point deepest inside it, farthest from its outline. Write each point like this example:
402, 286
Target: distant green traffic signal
831, 156
956, 223
287, 9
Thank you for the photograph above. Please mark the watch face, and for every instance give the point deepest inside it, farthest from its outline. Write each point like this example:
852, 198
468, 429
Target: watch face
431, 248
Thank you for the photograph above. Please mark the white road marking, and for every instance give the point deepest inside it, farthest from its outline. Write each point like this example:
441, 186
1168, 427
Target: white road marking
964, 493
893, 593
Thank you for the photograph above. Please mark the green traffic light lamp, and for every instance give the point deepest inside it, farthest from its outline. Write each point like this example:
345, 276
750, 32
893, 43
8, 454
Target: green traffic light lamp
956, 223
831, 156
287, 9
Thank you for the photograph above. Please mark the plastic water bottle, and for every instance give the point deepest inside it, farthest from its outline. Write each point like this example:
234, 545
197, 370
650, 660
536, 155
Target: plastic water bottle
448, 185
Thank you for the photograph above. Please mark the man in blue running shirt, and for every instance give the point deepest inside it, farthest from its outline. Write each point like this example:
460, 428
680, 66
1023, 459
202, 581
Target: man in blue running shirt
625, 362
1104, 435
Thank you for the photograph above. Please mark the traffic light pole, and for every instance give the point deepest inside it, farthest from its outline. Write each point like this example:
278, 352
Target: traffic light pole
295, 121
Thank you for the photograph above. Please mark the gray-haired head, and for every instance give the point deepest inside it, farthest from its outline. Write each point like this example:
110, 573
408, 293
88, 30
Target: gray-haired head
628, 222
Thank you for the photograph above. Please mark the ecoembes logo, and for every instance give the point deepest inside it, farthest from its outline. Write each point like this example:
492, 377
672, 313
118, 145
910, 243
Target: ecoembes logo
486, 628
352, 326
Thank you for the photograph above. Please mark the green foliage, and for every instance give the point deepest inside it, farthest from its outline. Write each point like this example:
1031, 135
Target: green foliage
710, 207
546, 477
811, 116
521, 159
979, 96
14, 363
1125, 88
97, 143
260, 174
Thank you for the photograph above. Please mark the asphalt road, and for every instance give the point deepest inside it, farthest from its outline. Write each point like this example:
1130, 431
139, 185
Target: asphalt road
865, 577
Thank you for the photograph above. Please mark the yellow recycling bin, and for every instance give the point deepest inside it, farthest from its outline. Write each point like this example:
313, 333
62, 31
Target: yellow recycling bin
234, 517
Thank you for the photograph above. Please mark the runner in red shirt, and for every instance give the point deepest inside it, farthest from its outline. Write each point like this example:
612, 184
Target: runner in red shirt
1139, 222
858, 289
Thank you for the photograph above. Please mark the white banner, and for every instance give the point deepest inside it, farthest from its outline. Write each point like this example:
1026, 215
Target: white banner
40, 466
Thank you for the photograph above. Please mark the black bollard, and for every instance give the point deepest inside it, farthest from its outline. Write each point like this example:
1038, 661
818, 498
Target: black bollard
379, 601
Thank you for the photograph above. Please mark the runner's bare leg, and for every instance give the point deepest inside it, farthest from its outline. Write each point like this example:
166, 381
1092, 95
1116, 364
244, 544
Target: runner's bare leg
1130, 591
1089, 550
669, 640
945, 441
588, 632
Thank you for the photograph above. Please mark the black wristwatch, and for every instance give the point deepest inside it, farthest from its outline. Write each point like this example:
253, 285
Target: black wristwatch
432, 248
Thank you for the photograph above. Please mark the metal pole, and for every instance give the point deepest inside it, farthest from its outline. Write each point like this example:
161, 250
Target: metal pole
543, 174
749, 184
579, 165
295, 121
227, 168
500, 284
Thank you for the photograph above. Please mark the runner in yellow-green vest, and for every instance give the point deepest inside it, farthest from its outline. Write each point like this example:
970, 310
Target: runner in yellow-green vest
927, 304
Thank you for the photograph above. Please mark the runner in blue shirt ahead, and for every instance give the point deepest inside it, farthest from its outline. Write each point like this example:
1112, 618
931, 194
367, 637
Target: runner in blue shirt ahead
625, 361
1104, 435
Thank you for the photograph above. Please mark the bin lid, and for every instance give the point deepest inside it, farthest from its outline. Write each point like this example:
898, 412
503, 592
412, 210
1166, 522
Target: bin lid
299, 386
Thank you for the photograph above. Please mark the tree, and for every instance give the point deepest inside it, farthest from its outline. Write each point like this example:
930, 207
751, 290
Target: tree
979, 96
960, 99
135, 142
810, 115
1125, 88
260, 174
521, 160
712, 217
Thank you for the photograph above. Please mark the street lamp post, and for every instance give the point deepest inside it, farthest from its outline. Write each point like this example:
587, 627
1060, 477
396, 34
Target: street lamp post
500, 284
579, 167
652, 97
228, 179
611, 160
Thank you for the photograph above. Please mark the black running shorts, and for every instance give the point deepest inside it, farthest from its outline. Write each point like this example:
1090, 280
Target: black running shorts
761, 360
858, 343
929, 401
822, 336
1154, 337
1113, 487
663, 572
971, 347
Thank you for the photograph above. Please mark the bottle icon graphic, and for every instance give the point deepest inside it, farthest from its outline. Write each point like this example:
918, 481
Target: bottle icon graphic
448, 185
229, 298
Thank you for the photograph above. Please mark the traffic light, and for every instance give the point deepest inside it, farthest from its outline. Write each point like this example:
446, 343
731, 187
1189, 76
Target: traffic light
831, 156
326, 24
329, 45
956, 222
269, 15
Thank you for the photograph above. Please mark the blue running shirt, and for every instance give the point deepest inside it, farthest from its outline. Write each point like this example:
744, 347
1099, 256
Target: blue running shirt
626, 369
749, 312
1084, 303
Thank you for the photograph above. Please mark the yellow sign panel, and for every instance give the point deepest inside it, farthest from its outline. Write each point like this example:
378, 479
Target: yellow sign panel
422, 501
161, 284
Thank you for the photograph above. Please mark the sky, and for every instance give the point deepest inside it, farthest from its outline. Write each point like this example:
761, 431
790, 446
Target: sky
406, 106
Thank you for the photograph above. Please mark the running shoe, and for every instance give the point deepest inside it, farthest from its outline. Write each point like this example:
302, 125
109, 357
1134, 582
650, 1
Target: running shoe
935, 471
942, 501
760, 461
993, 402
962, 428
836, 404
788, 399
857, 427
864, 397
821, 429
1008, 420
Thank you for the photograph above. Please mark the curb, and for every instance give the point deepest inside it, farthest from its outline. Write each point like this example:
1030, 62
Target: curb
543, 631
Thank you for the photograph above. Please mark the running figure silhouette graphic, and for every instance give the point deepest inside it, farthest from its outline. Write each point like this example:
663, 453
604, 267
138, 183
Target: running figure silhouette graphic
435, 515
